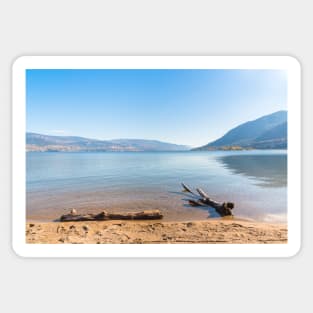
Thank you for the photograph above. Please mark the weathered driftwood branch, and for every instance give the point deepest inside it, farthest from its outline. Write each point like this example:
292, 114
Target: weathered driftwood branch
104, 216
186, 188
223, 209
195, 202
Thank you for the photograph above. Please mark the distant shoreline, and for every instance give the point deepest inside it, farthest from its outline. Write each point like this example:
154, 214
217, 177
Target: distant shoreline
192, 150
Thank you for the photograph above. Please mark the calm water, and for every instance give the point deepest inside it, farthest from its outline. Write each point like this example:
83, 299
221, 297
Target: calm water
255, 180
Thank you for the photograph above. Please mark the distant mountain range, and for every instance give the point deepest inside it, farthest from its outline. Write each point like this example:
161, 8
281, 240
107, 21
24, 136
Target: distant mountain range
267, 132
46, 143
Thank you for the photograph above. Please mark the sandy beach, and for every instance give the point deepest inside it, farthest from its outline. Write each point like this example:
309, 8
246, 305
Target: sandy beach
214, 231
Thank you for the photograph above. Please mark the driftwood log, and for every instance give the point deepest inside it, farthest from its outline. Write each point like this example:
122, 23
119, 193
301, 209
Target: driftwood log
223, 209
73, 216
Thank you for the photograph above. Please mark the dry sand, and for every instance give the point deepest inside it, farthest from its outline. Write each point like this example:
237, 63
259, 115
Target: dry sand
136, 232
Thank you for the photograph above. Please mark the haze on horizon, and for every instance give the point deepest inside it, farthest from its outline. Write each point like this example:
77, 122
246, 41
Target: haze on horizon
189, 107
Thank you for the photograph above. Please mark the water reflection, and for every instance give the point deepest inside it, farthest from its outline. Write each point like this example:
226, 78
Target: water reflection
267, 170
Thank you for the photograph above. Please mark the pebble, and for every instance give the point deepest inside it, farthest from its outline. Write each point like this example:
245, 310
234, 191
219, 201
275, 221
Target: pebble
85, 228
60, 229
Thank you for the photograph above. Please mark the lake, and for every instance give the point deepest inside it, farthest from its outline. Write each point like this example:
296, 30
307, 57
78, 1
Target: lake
256, 181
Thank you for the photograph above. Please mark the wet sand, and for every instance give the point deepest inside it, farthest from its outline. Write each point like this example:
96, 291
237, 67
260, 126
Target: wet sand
211, 231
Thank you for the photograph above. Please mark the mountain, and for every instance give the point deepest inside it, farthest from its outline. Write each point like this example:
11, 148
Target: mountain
149, 145
44, 143
266, 132
275, 138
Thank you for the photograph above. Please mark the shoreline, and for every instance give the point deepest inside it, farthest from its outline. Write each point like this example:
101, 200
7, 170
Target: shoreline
212, 231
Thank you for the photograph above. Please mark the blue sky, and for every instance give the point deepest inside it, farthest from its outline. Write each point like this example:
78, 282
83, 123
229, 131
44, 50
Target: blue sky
190, 107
